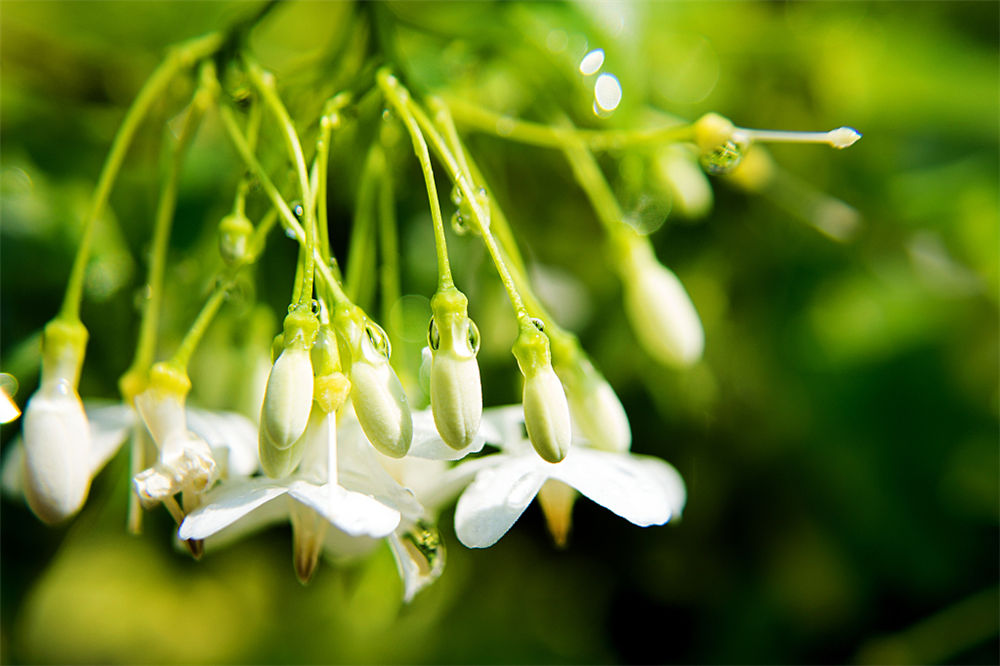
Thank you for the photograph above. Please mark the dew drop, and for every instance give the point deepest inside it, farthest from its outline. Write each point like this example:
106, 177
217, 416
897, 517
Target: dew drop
456, 195
724, 159
538, 323
378, 339
474, 337
458, 223
290, 233
298, 211
433, 335
387, 114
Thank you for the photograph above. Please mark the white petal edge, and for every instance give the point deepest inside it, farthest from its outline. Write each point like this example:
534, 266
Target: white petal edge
427, 443
641, 489
110, 426
226, 504
496, 499
409, 569
352, 512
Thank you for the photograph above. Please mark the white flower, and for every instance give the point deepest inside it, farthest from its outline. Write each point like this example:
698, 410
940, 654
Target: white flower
642, 489
319, 494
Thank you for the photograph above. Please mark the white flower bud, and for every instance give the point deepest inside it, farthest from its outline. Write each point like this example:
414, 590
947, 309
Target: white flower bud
455, 388
56, 452
600, 416
660, 311
679, 172
546, 415
381, 407
287, 399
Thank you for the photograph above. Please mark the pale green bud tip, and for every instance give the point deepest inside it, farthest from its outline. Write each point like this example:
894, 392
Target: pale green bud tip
381, 407
546, 415
56, 452
843, 137
234, 237
63, 345
661, 313
287, 399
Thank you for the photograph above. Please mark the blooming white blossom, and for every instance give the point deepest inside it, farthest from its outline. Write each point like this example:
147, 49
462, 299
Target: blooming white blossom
642, 489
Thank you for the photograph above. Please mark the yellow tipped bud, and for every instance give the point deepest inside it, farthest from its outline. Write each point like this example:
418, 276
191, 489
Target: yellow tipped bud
331, 391
660, 311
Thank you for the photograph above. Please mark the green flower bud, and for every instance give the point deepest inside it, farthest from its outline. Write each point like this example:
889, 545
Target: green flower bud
235, 231
289, 394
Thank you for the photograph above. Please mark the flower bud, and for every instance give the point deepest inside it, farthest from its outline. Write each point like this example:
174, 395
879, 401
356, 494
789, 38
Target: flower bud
235, 231
376, 394
308, 530
56, 430
546, 412
593, 404
660, 311
56, 452
455, 388
677, 170
289, 393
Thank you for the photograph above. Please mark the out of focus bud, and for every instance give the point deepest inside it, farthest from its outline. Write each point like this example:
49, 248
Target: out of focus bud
56, 431
593, 404
289, 393
378, 397
546, 412
660, 311
679, 173
455, 389
235, 231
185, 461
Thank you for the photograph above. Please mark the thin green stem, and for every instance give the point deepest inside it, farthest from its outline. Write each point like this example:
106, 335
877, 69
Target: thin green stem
178, 59
389, 242
535, 134
146, 345
285, 215
399, 98
265, 86
479, 218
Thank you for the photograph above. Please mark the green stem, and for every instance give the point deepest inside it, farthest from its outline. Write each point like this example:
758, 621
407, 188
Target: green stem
389, 242
481, 223
146, 345
265, 86
179, 58
285, 215
535, 134
399, 99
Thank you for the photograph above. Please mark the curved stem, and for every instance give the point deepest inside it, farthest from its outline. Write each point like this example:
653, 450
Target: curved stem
398, 98
180, 57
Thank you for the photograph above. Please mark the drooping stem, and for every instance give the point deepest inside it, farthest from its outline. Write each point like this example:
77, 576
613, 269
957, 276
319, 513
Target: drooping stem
359, 281
265, 86
389, 244
480, 219
399, 99
178, 59
285, 215
146, 345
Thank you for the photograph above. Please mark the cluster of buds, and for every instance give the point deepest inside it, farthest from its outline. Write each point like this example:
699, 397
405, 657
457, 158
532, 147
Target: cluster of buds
336, 447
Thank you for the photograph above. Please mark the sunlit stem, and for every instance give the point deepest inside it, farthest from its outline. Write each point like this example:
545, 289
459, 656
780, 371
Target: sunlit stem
285, 215
398, 97
321, 164
362, 250
177, 59
839, 138
437, 142
265, 86
536, 134
133, 378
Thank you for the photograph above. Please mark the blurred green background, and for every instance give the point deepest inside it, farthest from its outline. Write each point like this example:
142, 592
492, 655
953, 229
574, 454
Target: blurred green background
839, 440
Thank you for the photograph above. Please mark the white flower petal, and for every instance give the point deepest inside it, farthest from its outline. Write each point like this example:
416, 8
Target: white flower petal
496, 499
13, 470
229, 431
340, 546
427, 443
358, 469
264, 516
504, 426
226, 504
642, 489
349, 511
110, 426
